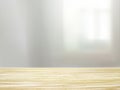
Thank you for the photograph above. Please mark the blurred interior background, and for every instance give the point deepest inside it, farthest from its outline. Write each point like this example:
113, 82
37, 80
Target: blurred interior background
59, 33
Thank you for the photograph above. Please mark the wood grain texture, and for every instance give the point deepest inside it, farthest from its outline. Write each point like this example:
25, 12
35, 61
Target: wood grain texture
60, 79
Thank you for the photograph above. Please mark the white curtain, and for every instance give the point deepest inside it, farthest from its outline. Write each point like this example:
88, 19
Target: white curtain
59, 32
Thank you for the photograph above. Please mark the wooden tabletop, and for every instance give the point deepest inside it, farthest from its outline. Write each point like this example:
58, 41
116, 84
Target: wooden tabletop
60, 79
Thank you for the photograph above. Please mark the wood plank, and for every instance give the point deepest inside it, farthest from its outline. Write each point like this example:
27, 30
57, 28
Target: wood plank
60, 79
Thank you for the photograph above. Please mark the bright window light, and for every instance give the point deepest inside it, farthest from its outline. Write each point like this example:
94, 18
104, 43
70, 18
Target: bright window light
87, 25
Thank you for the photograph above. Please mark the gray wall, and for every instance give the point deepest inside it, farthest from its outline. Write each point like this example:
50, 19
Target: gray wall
13, 37
116, 30
45, 31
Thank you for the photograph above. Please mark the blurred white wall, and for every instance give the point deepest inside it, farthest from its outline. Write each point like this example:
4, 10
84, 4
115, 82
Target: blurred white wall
31, 34
116, 30
13, 34
45, 20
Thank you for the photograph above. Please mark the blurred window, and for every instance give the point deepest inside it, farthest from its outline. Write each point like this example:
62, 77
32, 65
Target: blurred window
87, 25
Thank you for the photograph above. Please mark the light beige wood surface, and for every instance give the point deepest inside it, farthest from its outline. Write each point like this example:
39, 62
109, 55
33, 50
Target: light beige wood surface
60, 79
